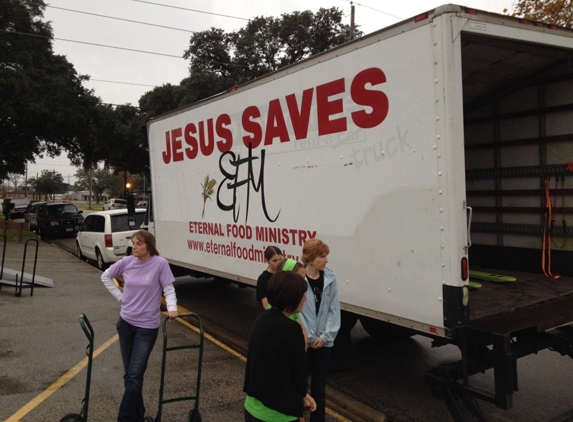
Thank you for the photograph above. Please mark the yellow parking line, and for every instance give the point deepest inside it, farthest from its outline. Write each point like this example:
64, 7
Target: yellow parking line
35, 402
209, 337
31, 405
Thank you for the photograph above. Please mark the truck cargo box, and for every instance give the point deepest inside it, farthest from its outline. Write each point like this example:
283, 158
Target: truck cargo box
419, 153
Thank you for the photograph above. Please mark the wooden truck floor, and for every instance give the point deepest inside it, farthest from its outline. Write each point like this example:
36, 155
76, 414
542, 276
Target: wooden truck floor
533, 300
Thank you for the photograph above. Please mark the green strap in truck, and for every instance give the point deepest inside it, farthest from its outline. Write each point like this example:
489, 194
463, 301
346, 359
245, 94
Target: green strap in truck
494, 278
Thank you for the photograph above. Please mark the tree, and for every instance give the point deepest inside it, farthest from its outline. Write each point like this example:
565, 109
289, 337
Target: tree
101, 179
160, 100
554, 12
127, 139
48, 183
14, 179
44, 106
92, 147
222, 60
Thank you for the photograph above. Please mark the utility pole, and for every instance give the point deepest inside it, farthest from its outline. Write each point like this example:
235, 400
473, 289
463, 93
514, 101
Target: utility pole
26, 180
90, 192
351, 20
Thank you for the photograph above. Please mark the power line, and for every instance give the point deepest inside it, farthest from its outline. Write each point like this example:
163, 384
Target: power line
121, 19
90, 43
119, 82
376, 10
191, 10
21, 100
122, 48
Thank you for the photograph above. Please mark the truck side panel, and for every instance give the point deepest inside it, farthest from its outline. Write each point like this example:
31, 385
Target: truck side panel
364, 173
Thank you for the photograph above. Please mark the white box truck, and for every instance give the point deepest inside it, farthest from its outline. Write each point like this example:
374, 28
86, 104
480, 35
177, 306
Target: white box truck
417, 153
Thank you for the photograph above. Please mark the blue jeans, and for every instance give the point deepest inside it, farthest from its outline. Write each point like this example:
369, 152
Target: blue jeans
318, 361
136, 345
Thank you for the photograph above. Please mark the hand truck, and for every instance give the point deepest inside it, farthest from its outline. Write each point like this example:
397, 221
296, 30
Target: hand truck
194, 415
83, 415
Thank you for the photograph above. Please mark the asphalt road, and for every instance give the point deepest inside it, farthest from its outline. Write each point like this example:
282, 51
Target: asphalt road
43, 351
388, 377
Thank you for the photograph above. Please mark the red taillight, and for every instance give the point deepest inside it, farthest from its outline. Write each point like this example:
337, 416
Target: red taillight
421, 18
471, 11
465, 271
108, 241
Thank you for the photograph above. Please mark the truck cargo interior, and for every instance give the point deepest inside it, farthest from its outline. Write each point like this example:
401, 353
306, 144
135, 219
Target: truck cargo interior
518, 128
518, 133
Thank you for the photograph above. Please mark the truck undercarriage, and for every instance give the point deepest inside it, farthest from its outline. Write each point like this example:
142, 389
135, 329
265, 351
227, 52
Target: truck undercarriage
508, 321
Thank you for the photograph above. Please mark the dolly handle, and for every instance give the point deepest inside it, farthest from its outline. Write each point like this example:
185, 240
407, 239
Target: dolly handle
87, 327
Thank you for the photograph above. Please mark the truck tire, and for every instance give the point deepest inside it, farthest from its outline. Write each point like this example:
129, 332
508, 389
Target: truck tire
382, 330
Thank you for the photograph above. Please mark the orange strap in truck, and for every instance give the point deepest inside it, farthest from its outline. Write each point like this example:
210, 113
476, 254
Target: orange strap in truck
563, 222
546, 244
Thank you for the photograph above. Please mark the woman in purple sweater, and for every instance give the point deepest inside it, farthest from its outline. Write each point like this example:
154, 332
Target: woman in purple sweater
146, 276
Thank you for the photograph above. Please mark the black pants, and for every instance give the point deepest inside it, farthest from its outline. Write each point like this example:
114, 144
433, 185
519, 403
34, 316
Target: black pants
318, 361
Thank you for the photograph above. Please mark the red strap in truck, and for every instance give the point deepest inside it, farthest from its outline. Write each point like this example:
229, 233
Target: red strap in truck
546, 244
563, 222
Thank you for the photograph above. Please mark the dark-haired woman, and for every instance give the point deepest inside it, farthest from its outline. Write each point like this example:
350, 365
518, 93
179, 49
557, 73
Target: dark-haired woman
274, 258
275, 375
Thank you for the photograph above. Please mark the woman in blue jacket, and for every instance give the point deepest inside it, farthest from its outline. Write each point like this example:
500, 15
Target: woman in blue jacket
321, 317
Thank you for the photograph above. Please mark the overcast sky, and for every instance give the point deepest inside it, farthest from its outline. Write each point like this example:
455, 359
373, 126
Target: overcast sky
150, 37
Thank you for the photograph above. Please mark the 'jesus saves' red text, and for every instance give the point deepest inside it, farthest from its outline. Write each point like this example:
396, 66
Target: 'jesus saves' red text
204, 136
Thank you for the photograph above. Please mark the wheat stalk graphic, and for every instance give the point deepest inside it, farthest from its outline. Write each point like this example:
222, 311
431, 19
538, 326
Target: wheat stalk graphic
208, 190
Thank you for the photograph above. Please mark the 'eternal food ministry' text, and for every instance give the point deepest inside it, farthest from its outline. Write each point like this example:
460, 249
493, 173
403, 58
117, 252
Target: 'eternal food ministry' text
281, 235
370, 108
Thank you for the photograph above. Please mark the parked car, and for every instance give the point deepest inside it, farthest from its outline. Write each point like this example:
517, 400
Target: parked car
14, 207
105, 236
115, 204
30, 214
58, 219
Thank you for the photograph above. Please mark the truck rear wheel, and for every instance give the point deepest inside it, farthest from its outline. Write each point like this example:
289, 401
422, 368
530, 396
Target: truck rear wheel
382, 330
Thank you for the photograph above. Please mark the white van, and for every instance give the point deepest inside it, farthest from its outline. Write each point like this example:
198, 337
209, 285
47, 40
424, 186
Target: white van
105, 236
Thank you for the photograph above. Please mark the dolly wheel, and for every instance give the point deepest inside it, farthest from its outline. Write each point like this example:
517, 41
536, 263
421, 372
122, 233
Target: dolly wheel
72, 417
194, 416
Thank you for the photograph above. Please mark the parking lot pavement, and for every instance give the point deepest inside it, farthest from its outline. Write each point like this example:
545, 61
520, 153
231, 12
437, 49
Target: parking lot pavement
41, 340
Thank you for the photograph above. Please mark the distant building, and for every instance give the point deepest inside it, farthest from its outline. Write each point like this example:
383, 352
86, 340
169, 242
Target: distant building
84, 195
22, 192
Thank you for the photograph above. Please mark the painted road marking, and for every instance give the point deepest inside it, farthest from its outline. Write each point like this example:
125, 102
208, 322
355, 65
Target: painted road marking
35, 402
